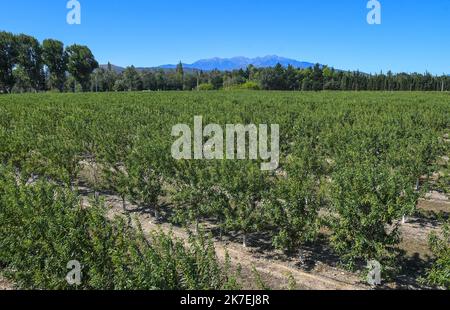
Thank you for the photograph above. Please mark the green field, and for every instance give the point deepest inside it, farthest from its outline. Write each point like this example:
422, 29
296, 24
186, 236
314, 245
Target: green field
352, 164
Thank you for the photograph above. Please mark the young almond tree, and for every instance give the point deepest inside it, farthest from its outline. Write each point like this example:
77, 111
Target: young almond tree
119, 181
115, 160
439, 273
193, 191
146, 188
368, 198
294, 207
248, 188
146, 181
64, 153
116, 171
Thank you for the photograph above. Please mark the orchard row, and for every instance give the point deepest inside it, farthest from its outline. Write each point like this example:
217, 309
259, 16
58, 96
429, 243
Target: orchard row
350, 164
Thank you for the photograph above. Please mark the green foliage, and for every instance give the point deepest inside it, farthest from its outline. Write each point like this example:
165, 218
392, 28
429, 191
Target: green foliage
29, 60
250, 85
130, 80
294, 211
43, 227
348, 160
81, 63
245, 188
205, 86
368, 200
439, 273
55, 58
23, 58
8, 58
260, 284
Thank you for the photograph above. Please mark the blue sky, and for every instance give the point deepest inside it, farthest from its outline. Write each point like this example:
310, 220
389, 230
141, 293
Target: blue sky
414, 35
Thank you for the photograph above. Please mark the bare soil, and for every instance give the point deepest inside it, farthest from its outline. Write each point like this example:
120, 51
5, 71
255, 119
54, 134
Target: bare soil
6, 285
318, 268
274, 268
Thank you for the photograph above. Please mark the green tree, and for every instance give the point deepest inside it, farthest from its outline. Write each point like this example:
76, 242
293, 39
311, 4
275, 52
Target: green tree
291, 78
148, 80
180, 73
317, 77
132, 79
306, 84
29, 60
368, 199
439, 273
216, 79
274, 78
81, 64
103, 80
193, 191
55, 58
247, 189
8, 55
295, 203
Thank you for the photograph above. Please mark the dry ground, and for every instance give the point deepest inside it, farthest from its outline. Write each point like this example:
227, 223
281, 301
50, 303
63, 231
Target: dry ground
319, 268
5, 285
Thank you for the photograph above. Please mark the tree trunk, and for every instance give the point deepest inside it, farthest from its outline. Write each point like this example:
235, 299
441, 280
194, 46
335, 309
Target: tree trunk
301, 257
156, 213
244, 240
220, 233
124, 204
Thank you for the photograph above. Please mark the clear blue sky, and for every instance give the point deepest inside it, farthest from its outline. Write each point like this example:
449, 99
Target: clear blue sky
414, 34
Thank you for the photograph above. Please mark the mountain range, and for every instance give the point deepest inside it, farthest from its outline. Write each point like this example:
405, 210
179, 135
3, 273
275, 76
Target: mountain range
235, 63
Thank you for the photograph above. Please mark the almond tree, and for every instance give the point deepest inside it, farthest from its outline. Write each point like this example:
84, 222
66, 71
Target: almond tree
193, 191
294, 207
367, 200
248, 188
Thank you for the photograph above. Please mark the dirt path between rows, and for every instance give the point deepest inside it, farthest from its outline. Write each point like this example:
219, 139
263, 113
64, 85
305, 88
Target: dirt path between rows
6, 285
277, 274
276, 269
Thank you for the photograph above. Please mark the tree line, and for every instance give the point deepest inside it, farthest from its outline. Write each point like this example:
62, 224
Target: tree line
317, 78
27, 66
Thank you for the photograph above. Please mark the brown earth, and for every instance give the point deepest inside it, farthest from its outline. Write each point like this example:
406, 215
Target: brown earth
275, 269
6, 285
318, 269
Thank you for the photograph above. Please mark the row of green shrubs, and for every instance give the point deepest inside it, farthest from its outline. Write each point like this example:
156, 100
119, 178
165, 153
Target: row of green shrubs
44, 226
439, 273
249, 85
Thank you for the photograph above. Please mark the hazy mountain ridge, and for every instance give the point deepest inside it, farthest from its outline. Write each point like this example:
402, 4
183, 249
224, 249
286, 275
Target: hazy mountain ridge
228, 64
236, 63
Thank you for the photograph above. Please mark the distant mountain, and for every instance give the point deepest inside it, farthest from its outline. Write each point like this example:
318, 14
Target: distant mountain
224, 64
237, 63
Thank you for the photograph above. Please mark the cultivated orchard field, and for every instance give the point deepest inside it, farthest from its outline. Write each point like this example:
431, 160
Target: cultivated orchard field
353, 168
